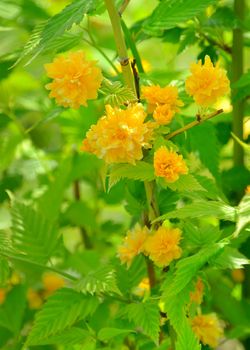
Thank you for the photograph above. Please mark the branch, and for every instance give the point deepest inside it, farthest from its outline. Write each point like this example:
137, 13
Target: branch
123, 7
194, 123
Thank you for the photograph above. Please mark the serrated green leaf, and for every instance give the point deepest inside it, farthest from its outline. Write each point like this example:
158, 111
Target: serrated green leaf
47, 34
200, 236
169, 13
230, 258
61, 311
175, 308
186, 183
198, 209
115, 93
106, 334
100, 281
243, 214
68, 337
146, 315
33, 237
141, 171
188, 267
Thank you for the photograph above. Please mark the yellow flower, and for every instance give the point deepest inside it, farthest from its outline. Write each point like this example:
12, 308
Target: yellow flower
143, 287
120, 135
208, 329
238, 275
163, 115
133, 244
35, 300
163, 246
15, 279
2, 295
75, 80
52, 282
197, 295
162, 101
207, 82
169, 164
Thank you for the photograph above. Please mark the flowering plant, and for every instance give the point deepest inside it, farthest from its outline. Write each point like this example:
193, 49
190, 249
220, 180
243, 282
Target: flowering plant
125, 202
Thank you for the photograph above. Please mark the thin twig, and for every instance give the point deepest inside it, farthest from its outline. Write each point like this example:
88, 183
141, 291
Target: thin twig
123, 7
194, 123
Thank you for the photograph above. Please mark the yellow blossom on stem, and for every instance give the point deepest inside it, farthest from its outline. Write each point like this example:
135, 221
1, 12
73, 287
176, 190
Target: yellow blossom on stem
120, 135
207, 82
197, 295
163, 246
75, 80
2, 295
35, 300
169, 164
208, 329
133, 244
52, 282
163, 102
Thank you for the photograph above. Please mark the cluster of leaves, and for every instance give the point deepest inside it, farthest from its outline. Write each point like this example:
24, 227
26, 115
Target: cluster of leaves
56, 216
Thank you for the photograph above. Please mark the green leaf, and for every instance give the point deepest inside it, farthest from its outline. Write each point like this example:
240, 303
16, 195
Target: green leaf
169, 13
186, 183
12, 311
141, 171
101, 281
200, 236
33, 237
47, 34
188, 267
243, 81
175, 307
105, 334
230, 258
203, 140
243, 214
60, 312
198, 209
50, 202
115, 93
4, 271
146, 315
68, 337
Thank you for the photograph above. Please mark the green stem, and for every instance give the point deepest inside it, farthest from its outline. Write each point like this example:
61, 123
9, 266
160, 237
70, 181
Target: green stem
132, 46
237, 71
194, 123
120, 44
41, 266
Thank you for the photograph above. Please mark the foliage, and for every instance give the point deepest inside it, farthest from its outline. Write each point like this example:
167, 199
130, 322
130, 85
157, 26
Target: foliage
65, 214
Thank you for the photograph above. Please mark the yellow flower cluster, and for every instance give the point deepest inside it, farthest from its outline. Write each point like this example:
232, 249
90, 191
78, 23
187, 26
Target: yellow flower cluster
163, 102
75, 80
133, 244
120, 135
208, 329
162, 246
197, 295
207, 82
169, 164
